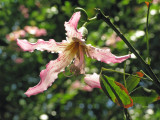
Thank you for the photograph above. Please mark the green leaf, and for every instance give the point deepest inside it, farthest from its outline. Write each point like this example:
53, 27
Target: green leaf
115, 91
132, 82
140, 1
144, 96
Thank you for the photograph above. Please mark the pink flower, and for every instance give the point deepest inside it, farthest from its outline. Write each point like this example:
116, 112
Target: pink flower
112, 40
155, 1
87, 88
78, 85
41, 32
24, 11
73, 48
31, 29
92, 80
19, 60
15, 35
35, 31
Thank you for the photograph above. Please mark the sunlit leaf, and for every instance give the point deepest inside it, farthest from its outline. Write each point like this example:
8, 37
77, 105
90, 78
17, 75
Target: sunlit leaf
133, 81
144, 96
116, 91
140, 1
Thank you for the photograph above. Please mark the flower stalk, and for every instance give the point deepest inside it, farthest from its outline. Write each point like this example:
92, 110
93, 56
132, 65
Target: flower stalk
156, 81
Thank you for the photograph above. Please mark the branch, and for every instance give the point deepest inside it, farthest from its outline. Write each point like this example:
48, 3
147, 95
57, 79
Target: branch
100, 15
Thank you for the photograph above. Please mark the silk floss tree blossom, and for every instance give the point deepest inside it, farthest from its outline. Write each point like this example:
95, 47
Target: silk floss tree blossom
71, 51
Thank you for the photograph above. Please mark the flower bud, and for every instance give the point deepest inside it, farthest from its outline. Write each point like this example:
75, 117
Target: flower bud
84, 32
92, 80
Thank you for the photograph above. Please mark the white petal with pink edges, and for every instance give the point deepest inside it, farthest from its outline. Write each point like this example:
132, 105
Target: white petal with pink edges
104, 55
71, 27
92, 80
42, 45
48, 76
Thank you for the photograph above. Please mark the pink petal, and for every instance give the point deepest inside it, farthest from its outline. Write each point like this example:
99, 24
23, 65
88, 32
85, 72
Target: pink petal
92, 80
87, 88
78, 85
42, 45
19, 60
41, 32
31, 29
78, 67
71, 27
75, 85
79, 60
48, 76
104, 55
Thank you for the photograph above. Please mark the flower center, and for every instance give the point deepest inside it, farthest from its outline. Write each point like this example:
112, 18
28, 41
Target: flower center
77, 48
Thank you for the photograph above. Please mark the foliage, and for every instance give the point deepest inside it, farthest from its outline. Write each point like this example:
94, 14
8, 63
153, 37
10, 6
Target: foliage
20, 70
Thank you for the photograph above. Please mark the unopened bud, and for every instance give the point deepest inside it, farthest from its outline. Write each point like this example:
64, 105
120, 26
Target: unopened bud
84, 32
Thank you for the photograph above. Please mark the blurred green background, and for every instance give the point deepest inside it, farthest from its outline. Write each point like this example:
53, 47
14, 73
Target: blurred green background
62, 101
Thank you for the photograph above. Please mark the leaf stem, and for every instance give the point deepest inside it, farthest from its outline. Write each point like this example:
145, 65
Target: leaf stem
104, 71
156, 81
146, 75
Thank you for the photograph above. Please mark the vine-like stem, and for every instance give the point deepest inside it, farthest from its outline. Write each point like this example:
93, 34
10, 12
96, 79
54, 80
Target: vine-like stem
100, 15
147, 38
124, 76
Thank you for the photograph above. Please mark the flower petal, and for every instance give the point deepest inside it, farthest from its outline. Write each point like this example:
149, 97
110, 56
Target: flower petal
104, 55
78, 85
79, 67
79, 60
71, 27
87, 88
42, 45
31, 29
92, 80
48, 76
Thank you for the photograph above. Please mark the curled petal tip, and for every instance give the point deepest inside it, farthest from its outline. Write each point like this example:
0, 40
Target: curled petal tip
24, 45
104, 55
120, 59
34, 91
26, 93
71, 27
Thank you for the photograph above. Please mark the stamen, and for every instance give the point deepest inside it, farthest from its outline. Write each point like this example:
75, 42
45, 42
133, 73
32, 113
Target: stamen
74, 69
81, 52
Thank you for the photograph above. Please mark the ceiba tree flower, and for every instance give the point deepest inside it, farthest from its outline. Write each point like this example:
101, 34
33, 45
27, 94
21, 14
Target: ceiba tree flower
72, 49
92, 80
